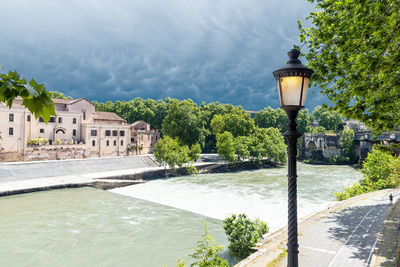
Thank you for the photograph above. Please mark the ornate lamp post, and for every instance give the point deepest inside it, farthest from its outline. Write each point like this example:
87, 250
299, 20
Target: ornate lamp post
293, 80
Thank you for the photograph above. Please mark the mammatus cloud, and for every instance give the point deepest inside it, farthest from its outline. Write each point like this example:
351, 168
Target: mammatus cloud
201, 49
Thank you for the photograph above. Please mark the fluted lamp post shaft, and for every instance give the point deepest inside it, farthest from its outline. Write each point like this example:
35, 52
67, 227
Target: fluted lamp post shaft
293, 80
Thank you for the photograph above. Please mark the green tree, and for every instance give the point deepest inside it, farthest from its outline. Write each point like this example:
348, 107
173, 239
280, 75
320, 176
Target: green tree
58, 95
314, 130
303, 121
34, 96
242, 144
347, 143
353, 46
275, 118
170, 150
238, 122
243, 234
329, 119
377, 166
183, 121
270, 117
226, 146
267, 143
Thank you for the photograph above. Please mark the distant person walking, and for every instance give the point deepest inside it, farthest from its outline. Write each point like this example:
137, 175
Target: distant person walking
391, 198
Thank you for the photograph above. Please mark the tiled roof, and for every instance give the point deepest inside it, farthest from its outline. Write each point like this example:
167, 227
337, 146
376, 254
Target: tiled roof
61, 101
108, 116
137, 122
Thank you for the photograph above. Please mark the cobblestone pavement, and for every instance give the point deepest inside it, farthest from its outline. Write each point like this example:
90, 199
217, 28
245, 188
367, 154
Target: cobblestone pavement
345, 235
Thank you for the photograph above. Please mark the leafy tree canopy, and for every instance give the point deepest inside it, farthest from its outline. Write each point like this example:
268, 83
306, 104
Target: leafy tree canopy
238, 122
277, 118
170, 150
58, 95
183, 121
34, 96
353, 46
261, 144
149, 110
329, 119
347, 143
243, 234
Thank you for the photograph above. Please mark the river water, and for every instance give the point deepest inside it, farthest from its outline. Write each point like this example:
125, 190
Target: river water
152, 224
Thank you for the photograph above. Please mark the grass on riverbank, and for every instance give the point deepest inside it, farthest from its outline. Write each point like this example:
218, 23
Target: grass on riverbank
381, 170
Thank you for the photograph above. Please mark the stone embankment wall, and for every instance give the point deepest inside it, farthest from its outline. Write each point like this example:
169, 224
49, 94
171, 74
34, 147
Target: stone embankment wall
16, 171
53, 152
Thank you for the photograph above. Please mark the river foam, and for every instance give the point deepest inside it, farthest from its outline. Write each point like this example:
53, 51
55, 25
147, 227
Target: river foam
260, 194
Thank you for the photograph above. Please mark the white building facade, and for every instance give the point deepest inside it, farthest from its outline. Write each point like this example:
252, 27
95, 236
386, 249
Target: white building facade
77, 131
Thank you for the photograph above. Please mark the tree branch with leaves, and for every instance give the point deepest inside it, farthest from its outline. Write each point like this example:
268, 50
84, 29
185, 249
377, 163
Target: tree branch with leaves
34, 96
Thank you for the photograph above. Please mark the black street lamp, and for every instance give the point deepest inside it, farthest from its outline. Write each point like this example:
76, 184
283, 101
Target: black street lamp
293, 80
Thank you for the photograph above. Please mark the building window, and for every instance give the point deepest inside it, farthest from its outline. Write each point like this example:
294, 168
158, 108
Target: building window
115, 133
122, 142
74, 132
84, 114
93, 132
59, 119
132, 140
28, 118
108, 133
11, 131
93, 143
74, 121
41, 130
41, 119
115, 142
122, 133
108, 142
52, 119
11, 117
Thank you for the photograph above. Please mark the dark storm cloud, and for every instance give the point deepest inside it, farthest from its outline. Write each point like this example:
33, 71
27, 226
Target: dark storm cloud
206, 50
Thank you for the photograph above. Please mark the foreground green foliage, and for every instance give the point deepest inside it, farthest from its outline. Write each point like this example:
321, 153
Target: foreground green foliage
34, 96
381, 170
243, 234
205, 254
170, 151
353, 46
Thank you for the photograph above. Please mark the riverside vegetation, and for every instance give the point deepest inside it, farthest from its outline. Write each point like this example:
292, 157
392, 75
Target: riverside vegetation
381, 170
243, 234
217, 127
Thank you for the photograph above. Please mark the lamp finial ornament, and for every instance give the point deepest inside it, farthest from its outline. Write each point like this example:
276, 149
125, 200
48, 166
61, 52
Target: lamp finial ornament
293, 56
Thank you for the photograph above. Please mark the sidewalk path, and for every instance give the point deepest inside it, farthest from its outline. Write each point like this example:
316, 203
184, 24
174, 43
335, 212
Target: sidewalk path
344, 235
